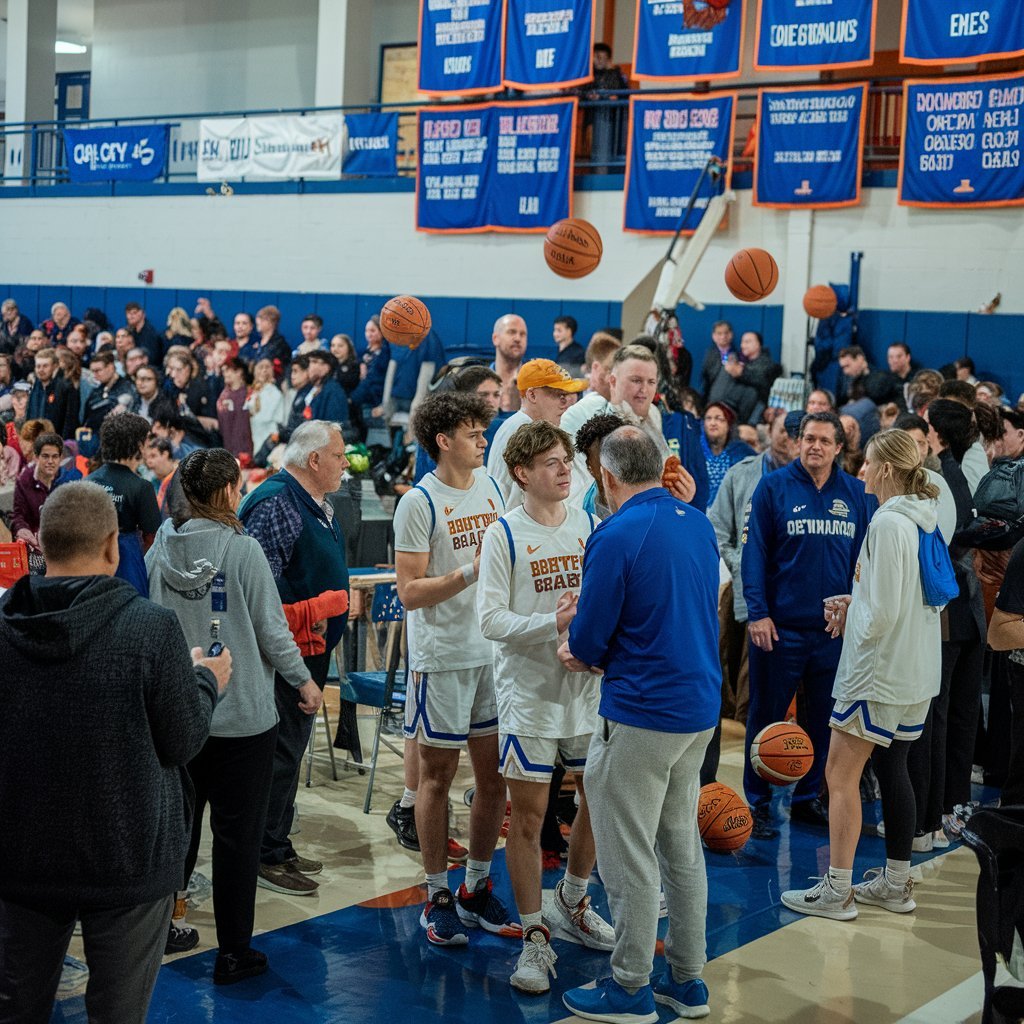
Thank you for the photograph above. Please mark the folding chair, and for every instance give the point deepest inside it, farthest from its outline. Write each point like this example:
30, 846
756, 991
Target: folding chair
378, 689
997, 838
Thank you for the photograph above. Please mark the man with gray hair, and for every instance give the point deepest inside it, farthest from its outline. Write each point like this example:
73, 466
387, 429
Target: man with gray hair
15, 327
293, 520
93, 792
656, 640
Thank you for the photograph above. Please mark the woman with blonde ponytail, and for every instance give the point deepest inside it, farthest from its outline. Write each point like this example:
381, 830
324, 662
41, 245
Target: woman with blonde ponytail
889, 671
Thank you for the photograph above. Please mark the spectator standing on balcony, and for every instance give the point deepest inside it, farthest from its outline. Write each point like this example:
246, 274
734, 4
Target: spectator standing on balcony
15, 327
60, 323
605, 122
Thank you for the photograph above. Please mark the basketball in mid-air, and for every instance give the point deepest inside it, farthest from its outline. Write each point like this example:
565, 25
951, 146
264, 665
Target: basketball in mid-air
782, 753
723, 819
751, 274
572, 247
404, 320
820, 301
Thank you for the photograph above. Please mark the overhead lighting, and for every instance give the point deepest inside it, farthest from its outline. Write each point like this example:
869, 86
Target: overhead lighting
62, 46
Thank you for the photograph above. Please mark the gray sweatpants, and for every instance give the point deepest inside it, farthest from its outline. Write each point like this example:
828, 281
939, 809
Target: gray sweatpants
642, 788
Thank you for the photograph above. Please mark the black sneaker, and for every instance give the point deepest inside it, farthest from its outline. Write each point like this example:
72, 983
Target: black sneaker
763, 827
232, 967
180, 940
810, 812
402, 821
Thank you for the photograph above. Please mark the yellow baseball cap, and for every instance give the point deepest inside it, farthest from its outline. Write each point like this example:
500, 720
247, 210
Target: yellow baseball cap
543, 373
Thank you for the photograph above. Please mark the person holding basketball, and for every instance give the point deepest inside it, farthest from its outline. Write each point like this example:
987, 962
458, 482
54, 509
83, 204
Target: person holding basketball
889, 671
807, 522
530, 568
439, 525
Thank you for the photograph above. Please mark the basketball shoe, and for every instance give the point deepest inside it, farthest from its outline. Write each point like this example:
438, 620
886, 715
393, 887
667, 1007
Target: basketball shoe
877, 890
579, 922
441, 922
482, 909
821, 900
536, 962
688, 999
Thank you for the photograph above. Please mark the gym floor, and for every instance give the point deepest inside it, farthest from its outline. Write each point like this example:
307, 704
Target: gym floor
356, 951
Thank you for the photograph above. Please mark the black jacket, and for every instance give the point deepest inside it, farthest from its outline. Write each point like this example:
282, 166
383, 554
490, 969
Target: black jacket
57, 402
748, 393
102, 710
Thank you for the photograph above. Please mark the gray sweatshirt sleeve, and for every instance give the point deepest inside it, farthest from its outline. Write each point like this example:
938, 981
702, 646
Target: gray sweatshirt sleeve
272, 633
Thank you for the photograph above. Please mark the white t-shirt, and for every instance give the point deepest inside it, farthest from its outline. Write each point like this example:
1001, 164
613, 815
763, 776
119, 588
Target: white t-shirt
516, 598
447, 523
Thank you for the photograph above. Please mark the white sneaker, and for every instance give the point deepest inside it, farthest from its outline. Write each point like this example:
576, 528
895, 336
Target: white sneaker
579, 922
939, 840
923, 844
821, 901
877, 890
536, 961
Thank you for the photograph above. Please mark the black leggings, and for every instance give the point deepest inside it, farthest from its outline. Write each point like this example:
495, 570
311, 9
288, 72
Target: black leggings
899, 808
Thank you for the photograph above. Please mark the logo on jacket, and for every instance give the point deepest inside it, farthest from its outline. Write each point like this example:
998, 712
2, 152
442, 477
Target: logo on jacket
796, 508
839, 508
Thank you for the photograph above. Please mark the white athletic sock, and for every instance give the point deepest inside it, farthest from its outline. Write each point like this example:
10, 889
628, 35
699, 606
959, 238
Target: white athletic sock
573, 889
897, 872
475, 871
840, 879
435, 882
408, 799
531, 921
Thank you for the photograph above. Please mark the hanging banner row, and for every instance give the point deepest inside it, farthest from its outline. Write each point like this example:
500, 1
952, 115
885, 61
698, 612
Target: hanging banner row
470, 47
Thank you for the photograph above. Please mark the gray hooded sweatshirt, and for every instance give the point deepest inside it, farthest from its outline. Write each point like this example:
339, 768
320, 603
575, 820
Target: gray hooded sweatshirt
181, 566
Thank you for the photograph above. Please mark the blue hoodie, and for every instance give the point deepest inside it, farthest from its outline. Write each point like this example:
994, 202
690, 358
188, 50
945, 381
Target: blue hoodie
800, 545
648, 615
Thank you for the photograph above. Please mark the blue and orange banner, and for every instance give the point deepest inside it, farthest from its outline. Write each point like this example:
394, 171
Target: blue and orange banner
961, 31
810, 147
795, 35
549, 43
495, 166
671, 139
962, 142
461, 47
695, 39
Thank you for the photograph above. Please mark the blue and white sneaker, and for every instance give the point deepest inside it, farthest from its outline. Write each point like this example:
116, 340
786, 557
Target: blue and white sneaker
482, 909
687, 999
74, 976
611, 1003
441, 922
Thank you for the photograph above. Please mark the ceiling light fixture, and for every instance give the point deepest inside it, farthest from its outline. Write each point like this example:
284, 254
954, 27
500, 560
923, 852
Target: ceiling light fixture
62, 46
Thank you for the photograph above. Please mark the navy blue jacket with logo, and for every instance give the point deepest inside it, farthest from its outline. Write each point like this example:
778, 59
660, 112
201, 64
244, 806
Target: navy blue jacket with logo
800, 545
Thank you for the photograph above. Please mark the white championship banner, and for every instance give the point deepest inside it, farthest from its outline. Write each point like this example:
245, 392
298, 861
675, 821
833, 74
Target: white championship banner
250, 148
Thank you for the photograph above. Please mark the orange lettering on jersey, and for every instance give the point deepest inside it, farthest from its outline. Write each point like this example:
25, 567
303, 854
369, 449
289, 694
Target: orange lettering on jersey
560, 572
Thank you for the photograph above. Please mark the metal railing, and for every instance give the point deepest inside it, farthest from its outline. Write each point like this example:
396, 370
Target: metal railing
600, 142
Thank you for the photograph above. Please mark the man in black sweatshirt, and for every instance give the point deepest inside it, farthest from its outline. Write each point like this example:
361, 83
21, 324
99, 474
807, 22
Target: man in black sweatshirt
94, 797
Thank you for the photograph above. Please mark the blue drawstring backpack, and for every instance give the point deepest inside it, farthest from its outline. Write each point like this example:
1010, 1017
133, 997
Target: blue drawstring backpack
938, 581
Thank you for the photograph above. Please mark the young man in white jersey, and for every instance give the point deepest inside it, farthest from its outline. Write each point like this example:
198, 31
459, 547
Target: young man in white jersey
439, 525
529, 580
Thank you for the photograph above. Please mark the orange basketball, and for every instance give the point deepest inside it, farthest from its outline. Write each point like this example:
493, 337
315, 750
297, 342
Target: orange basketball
404, 320
782, 753
723, 819
820, 301
751, 274
572, 247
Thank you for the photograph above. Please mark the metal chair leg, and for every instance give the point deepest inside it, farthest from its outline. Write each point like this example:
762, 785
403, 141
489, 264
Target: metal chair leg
330, 741
373, 761
309, 756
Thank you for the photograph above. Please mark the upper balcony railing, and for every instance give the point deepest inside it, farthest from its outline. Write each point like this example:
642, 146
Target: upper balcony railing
43, 160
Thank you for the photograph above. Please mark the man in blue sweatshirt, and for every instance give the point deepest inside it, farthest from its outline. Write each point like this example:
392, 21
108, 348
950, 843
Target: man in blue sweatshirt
800, 545
647, 616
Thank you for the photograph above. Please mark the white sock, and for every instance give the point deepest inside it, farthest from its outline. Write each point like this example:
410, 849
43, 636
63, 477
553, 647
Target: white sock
408, 799
573, 889
840, 879
897, 872
435, 882
475, 871
531, 921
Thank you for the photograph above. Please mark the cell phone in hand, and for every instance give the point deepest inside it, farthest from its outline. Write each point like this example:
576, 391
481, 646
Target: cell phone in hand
216, 649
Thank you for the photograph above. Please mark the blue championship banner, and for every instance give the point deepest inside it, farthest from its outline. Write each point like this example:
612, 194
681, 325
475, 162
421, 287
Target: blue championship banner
462, 44
792, 34
688, 39
809, 147
961, 31
126, 153
372, 144
962, 142
548, 43
495, 166
671, 139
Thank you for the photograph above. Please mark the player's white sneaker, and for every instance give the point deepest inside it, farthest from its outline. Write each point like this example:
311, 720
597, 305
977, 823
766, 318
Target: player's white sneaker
579, 922
536, 961
821, 900
880, 892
